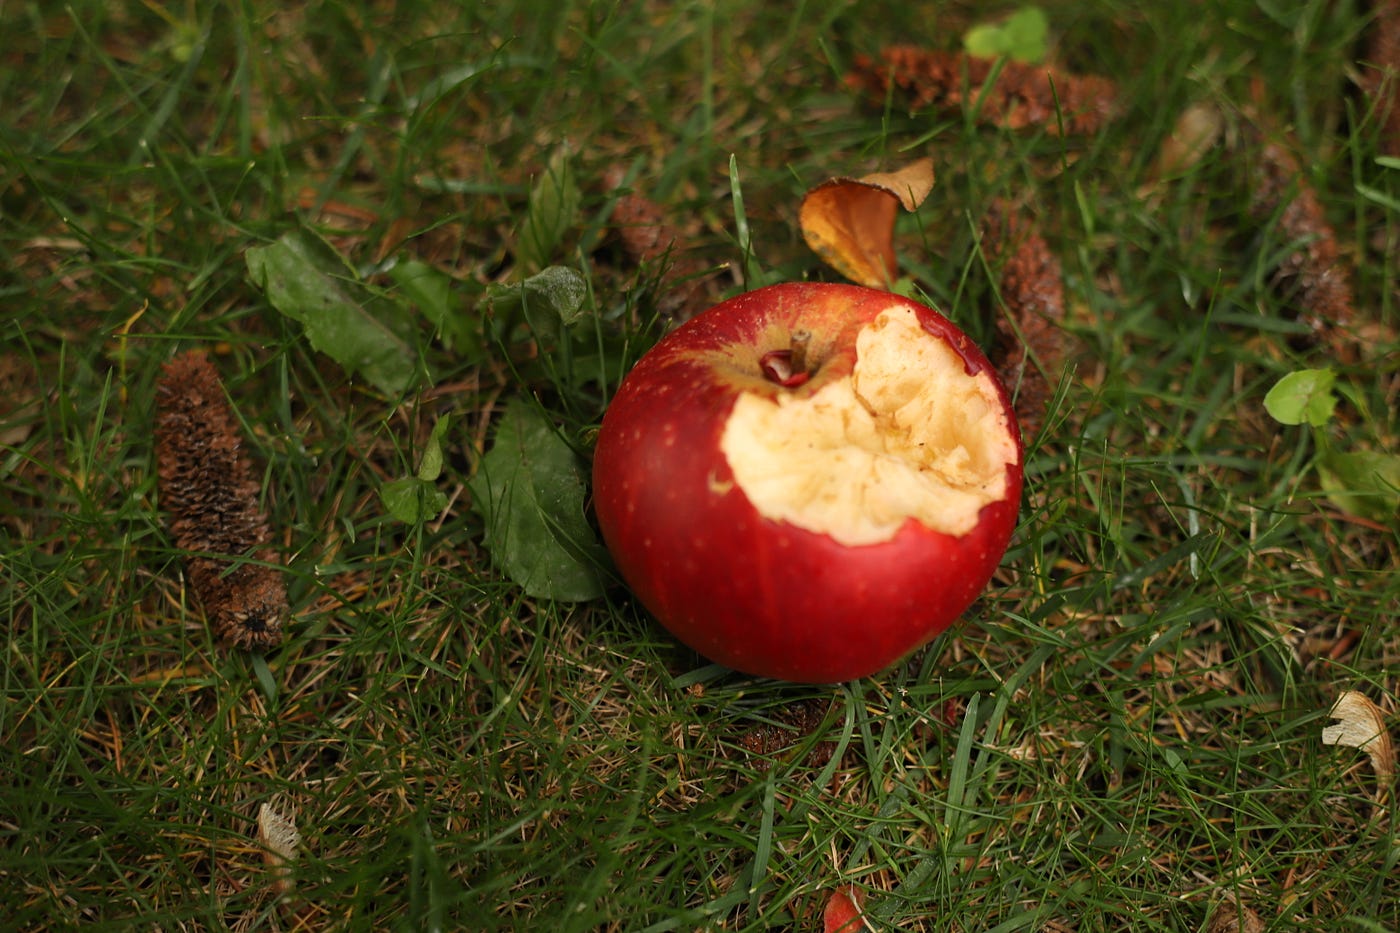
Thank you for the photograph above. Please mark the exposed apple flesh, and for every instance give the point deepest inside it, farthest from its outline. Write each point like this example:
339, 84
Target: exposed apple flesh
906, 434
809, 481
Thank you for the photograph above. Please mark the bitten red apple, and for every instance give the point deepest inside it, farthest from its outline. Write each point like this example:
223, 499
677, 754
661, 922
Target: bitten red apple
809, 481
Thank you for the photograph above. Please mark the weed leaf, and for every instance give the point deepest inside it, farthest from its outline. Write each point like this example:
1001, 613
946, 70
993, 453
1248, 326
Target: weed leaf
429, 289
430, 467
1362, 482
529, 490
412, 498
1302, 396
552, 212
305, 279
551, 300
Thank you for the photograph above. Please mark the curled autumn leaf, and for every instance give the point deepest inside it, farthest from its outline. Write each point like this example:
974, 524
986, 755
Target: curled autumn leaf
849, 222
845, 911
1359, 724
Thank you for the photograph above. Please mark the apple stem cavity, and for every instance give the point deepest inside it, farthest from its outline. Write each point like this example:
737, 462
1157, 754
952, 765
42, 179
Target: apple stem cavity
788, 368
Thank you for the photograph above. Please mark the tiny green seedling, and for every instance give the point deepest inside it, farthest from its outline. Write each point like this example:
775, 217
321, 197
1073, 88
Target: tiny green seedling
1022, 37
1365, 483
416, 498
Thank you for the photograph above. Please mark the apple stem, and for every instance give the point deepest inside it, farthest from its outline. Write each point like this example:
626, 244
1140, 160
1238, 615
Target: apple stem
788, 368
798, 344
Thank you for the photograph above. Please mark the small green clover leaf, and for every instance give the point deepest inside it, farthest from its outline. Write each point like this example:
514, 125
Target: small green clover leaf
1022, 36
1303, 397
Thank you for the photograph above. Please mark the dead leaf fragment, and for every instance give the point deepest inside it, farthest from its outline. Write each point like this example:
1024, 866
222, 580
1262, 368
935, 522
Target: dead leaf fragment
278, 835
1361, 725
1198, 128
845, 911
849, 222
1234, 917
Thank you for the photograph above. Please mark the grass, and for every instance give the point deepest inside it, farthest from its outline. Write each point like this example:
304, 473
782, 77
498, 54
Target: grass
1124, 736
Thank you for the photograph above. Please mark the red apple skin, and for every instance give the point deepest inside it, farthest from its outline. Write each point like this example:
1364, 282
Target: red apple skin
762, 596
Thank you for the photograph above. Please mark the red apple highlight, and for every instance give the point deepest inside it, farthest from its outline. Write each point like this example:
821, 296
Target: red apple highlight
809, 481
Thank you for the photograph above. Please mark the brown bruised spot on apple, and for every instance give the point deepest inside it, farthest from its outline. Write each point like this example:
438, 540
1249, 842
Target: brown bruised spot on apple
907, 434
809, 481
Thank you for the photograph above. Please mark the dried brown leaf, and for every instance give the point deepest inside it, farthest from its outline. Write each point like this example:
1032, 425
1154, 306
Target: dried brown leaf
1020, 95
1234, 917
641, 226
849, 222
1197, 129
1361, 725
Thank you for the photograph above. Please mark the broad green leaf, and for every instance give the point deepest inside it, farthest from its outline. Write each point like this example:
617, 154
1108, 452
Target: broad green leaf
550, 301
411, 499
1363, 483
551, 214
450, 306
401, 498
529, 490
430, 290
1022, 36
430, 467
305, 279
1302, 397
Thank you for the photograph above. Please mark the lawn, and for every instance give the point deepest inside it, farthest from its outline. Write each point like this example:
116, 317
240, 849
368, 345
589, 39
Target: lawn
400, 232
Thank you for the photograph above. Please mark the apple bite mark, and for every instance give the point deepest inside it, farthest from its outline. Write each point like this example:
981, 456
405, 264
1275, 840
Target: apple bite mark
910, 433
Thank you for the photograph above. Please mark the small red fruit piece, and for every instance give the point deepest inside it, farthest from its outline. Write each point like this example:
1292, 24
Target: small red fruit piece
809, 481
844, 912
